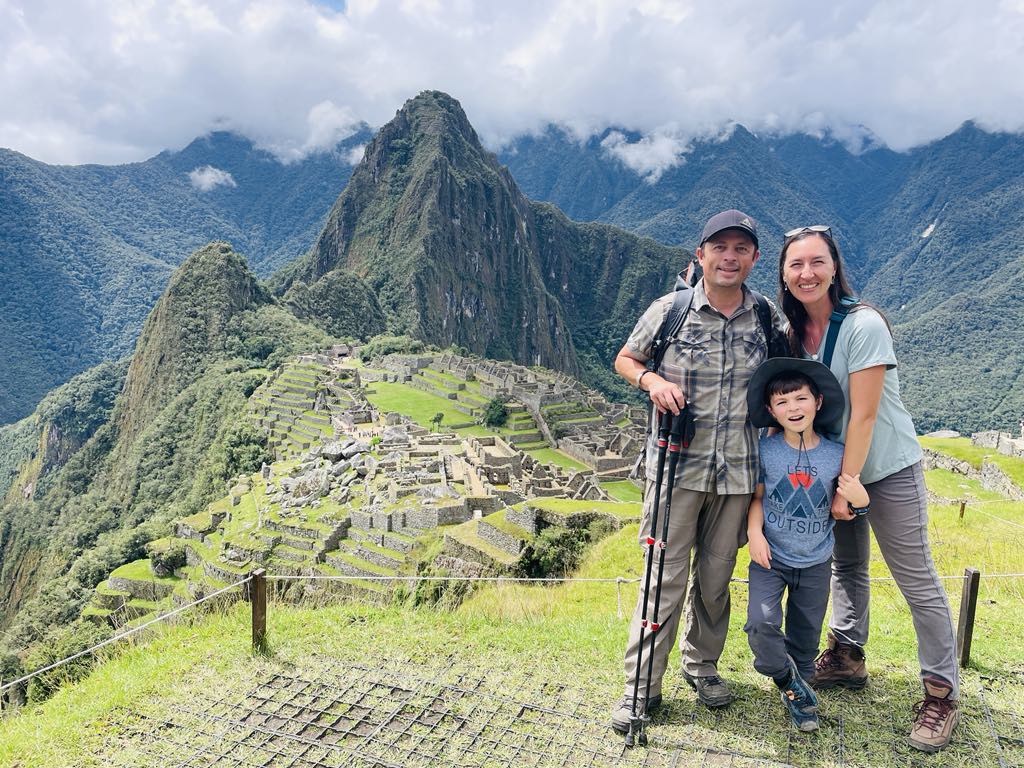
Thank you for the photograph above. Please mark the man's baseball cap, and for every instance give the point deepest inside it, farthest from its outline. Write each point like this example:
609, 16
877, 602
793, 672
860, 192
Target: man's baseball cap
731, 219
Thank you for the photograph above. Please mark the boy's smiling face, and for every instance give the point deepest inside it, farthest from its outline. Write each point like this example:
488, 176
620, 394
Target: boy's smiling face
795, 411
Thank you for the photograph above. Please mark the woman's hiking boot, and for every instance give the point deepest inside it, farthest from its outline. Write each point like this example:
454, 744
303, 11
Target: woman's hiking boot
840, 665
934, 717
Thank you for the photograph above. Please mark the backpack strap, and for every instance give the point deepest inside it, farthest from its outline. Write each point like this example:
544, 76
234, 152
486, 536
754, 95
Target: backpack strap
846, 303
681, 302
764, 314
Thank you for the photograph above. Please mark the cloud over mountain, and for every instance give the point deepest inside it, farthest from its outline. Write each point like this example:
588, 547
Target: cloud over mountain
207, 177
111, 82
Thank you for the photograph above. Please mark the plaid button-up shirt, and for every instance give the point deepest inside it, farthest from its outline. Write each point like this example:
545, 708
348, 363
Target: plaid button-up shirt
711, 359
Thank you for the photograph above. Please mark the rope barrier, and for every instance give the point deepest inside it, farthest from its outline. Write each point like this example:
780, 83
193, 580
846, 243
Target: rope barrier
975, 503
995, 517
121, 635
618, 580
508, 580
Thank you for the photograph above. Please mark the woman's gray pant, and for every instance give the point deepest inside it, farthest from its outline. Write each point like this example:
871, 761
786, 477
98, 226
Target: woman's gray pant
899, 518
806, 601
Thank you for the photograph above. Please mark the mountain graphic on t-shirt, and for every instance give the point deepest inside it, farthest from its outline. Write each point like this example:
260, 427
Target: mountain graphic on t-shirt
781, 493
801, 478
797, 499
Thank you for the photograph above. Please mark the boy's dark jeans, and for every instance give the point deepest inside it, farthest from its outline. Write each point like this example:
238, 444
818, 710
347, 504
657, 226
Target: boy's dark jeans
806, 600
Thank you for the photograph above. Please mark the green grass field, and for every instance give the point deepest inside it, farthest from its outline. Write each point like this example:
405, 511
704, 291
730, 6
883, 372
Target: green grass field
556, 457
623, 490
421, 407
522, 639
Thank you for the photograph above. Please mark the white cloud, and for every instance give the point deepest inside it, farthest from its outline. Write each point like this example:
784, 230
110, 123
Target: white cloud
207, 177
355, 155
651, 156
108, 81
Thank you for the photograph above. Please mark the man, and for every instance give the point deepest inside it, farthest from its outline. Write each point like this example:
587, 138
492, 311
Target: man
707, 366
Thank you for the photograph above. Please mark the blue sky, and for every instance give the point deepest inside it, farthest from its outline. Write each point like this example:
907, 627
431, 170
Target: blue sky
119, 80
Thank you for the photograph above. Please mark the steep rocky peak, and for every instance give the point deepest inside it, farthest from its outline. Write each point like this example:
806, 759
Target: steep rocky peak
186, 330
430, 125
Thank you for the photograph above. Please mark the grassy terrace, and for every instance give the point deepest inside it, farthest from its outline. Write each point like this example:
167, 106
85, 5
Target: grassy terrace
517, 637
623, 490
962, 448
140, 571
467, 534
499, 521
556, 457
625, 511
958, 447
420, 406
950, 485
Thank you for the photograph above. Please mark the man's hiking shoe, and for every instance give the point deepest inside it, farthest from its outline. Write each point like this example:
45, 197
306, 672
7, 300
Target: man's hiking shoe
801, 702
934, 717
623, 711
711, 690
840, 665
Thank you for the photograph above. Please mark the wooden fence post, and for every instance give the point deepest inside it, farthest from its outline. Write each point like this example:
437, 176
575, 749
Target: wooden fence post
968, 606
258, 598
963, 506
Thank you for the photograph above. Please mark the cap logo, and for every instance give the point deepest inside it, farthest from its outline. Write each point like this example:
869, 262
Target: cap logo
746, 222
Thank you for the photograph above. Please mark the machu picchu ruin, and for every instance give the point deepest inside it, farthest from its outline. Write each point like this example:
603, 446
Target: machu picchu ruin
384, 470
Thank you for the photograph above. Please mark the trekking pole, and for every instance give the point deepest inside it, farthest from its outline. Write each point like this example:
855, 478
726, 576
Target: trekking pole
680, 434
635, 718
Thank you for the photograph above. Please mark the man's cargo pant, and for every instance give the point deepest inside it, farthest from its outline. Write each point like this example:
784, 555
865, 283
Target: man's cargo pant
713, 527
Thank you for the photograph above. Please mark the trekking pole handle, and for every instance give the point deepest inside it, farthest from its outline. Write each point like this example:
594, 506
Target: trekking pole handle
664, 427
681, 429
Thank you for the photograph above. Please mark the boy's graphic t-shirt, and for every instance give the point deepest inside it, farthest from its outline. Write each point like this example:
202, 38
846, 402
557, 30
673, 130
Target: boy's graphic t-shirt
798, 499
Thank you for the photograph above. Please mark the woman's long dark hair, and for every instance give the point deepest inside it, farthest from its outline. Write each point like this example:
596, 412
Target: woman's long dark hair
840, 288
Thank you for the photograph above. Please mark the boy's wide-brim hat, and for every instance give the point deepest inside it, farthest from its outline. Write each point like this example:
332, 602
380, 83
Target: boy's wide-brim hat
829, 418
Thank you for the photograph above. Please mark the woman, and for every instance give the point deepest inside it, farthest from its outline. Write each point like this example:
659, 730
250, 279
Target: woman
881, 447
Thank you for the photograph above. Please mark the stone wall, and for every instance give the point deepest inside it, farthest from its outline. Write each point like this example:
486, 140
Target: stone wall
993, 478
525, 517
1001, 442
935, 460
456, 566
498, 538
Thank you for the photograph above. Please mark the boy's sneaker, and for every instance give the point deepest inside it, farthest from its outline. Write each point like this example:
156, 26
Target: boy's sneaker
840, 664
934, 717
622, 712
711, 689
802, 704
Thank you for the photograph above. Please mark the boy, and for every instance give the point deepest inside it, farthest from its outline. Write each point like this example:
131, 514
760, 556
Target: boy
789, 523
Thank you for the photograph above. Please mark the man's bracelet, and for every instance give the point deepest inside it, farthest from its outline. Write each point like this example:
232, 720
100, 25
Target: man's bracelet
858, 511
641, 378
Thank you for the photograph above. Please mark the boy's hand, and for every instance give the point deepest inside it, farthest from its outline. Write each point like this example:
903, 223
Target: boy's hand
760, 552
851, 489
841, 507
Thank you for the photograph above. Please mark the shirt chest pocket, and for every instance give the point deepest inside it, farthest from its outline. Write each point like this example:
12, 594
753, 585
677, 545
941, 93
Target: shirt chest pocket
755, 351
692, 345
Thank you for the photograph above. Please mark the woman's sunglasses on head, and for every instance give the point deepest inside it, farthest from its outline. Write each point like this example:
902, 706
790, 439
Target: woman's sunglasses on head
822, 229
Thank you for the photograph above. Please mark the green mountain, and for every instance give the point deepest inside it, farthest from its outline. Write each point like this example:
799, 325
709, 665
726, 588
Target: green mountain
925, 233
456, 254
118, 452
575, 175
86, 250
